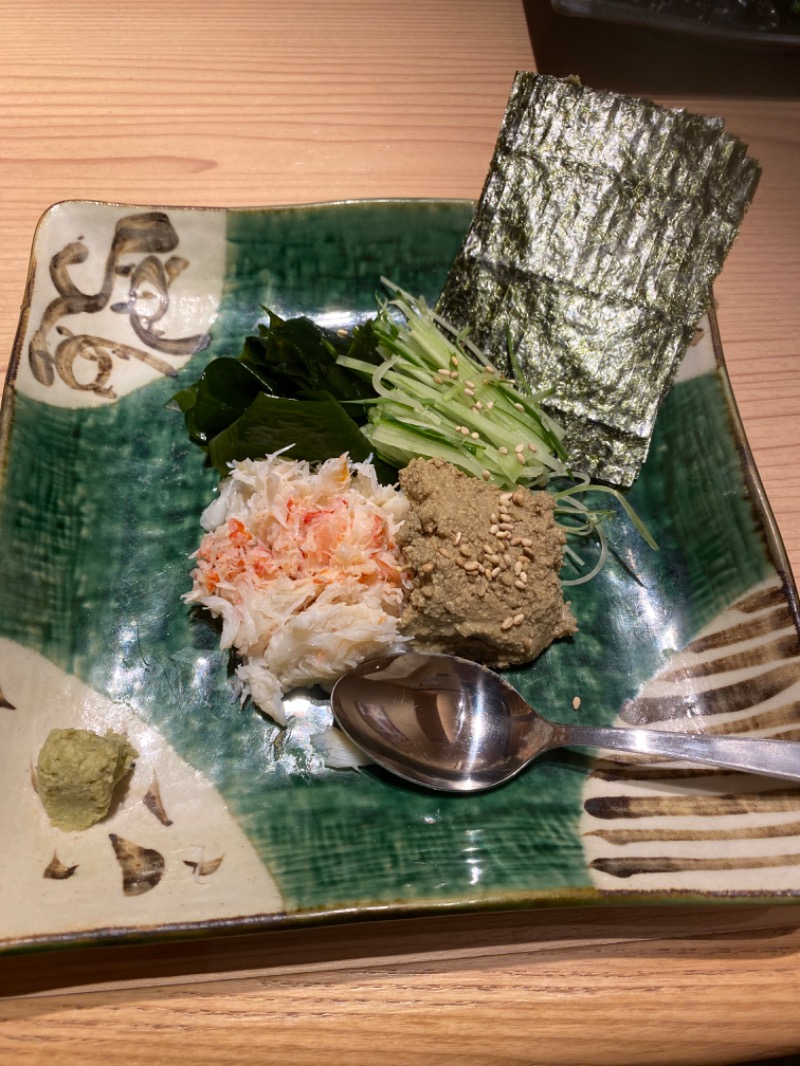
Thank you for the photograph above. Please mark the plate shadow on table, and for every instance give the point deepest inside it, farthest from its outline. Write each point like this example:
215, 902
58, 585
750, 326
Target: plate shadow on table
485, 940
654, 63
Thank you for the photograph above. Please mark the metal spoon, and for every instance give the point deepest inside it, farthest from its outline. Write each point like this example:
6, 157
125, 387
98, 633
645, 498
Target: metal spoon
452, 725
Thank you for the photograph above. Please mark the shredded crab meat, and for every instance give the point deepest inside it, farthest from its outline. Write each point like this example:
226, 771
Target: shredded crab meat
303, 569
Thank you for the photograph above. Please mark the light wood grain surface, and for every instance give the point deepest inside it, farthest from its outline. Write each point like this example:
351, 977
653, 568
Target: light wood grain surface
281, 101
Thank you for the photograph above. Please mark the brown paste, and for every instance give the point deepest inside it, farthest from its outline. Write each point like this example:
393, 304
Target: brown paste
484, 564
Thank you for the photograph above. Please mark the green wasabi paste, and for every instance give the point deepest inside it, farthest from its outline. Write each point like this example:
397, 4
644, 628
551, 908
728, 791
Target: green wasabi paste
77, 772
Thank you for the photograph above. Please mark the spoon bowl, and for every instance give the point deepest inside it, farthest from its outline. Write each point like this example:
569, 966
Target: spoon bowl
454, 726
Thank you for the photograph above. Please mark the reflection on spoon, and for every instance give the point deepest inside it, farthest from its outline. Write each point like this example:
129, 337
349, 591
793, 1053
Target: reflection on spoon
455, 726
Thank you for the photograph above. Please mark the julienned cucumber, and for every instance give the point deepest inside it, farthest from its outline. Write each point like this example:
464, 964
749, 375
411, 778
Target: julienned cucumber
437, 396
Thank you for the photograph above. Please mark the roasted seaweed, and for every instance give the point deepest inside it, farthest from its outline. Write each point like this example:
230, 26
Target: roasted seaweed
602, 224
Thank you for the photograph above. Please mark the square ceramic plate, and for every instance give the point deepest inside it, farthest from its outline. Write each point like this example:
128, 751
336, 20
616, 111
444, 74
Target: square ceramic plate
225, 826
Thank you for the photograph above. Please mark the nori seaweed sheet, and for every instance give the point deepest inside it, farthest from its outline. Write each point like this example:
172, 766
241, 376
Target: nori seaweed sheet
602, 224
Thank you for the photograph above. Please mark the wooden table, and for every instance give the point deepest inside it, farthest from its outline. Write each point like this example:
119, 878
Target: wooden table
278, 101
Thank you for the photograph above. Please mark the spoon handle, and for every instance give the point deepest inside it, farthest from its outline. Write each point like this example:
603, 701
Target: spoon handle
774, 758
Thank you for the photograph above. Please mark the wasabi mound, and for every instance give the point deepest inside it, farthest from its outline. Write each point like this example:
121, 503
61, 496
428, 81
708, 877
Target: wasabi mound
77, 772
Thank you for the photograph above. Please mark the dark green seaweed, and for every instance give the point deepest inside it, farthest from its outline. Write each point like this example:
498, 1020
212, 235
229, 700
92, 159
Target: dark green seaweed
602, 224
317, 427
284, 391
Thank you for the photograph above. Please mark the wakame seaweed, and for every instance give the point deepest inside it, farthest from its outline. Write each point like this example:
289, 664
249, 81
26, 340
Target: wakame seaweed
284, 390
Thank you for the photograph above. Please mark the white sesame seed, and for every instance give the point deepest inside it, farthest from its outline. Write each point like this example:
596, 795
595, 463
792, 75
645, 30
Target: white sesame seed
486, 475
528, 543
465, 550
507, 623
519, 585
521, 458
519, 407
457, 538
490, 405
470, 384
519, 619
519, 447
475, 435
479, 405
515, 542
437, 380
454, 360
471, 565
517, 567
426, 568
532, 447
493, 527
576, 702
503, 450
523, 577
495, 571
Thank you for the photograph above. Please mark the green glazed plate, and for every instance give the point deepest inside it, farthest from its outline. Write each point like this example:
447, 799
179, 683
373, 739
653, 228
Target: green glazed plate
225, 825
